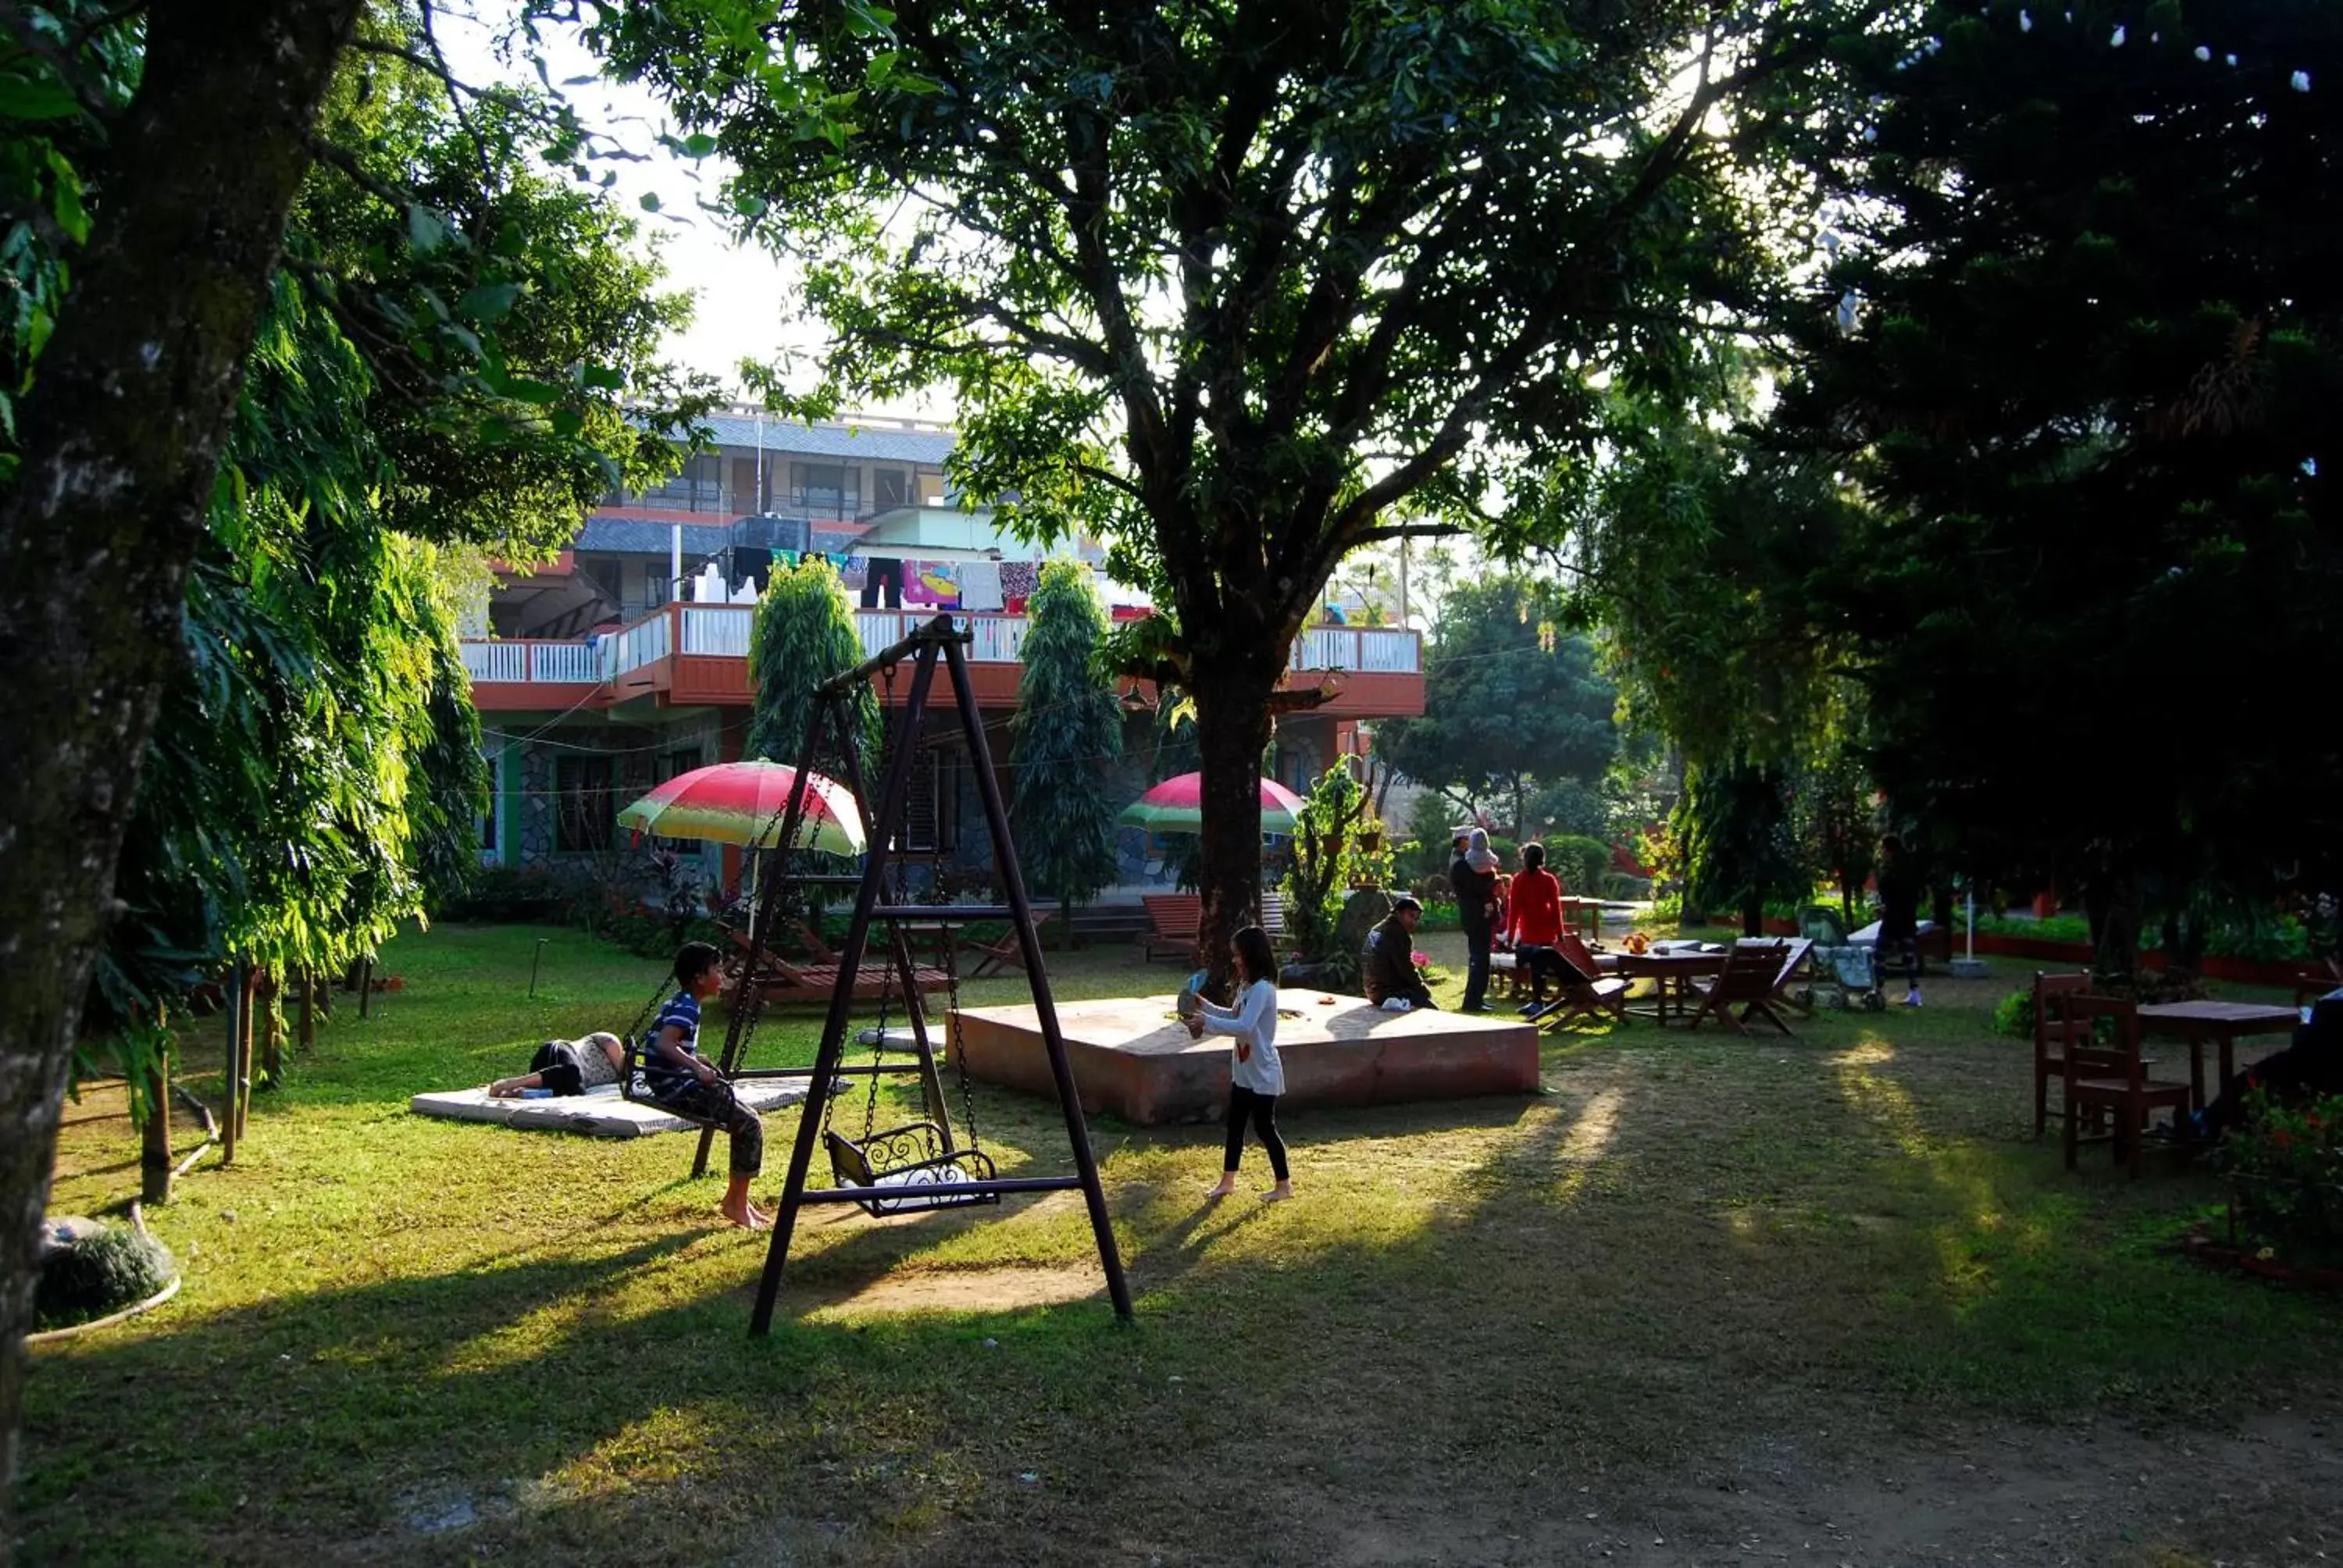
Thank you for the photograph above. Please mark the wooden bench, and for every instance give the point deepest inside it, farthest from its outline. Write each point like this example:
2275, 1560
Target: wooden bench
1173, 922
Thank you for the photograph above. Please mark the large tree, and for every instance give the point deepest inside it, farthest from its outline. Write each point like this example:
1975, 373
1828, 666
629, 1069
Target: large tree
150, 155
1511, 699
1243, 287
2081, 348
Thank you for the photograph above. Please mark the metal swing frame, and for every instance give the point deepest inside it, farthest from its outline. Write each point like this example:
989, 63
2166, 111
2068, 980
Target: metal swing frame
937, 642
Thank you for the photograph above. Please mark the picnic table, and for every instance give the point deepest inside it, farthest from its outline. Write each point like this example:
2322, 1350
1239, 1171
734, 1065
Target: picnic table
2221, 1022
1671, 972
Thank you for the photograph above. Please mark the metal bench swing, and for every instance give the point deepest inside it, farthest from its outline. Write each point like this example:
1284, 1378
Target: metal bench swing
919, 1164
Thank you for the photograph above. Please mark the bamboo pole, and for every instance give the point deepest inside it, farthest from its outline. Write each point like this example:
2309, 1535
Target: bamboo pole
235, 998
242, 1087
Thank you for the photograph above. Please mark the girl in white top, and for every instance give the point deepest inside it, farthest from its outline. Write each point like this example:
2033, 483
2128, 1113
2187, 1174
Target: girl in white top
1256, 1076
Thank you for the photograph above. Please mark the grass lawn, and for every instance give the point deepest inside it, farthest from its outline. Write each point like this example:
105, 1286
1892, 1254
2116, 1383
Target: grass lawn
1702, 1301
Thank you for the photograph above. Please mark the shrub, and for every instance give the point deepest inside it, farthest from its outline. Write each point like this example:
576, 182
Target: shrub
1579, 861
2012, 1015
111, 1267
2286, 1172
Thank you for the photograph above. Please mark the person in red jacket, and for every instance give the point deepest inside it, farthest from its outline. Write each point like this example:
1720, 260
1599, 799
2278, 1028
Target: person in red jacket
1533, 924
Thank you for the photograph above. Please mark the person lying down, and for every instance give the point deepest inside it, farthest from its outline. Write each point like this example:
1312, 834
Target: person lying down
568, 1067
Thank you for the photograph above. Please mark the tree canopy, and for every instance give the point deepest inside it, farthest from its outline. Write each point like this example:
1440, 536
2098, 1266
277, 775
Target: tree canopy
1241, 287
2079, 350
1511, 701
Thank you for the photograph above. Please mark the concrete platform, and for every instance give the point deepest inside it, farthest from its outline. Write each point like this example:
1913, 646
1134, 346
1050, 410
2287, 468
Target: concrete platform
1132, 1060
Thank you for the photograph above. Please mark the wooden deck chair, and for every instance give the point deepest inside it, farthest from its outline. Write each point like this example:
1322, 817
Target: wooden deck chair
1747, 982
1798, 965
1604, 999
1173, 922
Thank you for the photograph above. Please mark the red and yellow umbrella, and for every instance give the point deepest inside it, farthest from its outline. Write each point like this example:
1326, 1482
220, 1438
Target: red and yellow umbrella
744, 803
1177, 806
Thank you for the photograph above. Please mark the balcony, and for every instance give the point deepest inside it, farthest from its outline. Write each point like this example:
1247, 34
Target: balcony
689, 655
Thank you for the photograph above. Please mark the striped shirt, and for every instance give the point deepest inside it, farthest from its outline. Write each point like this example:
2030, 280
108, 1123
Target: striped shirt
681, 1012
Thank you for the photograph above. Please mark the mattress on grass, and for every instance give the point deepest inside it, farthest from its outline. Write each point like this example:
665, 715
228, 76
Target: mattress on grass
603, 1112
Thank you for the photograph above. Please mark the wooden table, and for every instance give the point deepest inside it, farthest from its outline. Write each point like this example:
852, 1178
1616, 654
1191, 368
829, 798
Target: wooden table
1672, 974
2223, 1021
1588, 913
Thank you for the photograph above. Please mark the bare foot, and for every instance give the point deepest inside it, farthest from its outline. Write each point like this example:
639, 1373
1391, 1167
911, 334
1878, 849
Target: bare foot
1225, 1190
747, 1216
1279, 1193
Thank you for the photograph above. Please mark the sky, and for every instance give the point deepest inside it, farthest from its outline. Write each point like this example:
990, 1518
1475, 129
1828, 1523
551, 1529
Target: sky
745, 304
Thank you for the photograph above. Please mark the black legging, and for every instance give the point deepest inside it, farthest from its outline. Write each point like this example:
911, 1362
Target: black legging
1263, 1109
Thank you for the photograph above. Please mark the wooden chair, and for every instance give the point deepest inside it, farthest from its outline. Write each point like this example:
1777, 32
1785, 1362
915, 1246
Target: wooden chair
2052, 1030
1173, 923
1752, 972
2112, 1077
1603, 998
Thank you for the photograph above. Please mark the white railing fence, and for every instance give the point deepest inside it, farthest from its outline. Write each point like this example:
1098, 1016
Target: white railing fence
722, 632
719, 629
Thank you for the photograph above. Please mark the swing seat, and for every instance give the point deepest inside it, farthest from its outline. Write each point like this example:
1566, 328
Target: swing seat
636, 1090
899, 1041
907, 1169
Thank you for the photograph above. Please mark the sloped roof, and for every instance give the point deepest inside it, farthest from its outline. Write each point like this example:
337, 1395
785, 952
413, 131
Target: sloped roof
639, 536
867, 444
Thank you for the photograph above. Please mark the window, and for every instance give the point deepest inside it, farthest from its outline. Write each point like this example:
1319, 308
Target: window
699, 487
931, 490
583, 815
606, 574
889, 487
826, 489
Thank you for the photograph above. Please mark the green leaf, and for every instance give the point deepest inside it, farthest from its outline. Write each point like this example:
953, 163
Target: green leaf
488, 302
36, 99
649, 201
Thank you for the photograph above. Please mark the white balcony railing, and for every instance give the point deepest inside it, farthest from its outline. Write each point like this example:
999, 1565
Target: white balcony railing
722, 632
1345, 647
643, 643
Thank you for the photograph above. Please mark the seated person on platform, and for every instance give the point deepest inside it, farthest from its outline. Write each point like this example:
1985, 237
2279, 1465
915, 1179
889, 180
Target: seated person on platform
1388, 964
681, 1079
568, 1066
1534, 927
2310, 1067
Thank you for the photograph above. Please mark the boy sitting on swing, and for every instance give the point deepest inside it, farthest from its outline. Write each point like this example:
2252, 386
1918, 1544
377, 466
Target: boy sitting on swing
681, 1079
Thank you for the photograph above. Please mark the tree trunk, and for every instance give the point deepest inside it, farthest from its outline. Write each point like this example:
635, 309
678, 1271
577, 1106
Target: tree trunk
154, 1138
309, 1010
1752, 915
1232, 729
272, 1029
2112, 900
120, 435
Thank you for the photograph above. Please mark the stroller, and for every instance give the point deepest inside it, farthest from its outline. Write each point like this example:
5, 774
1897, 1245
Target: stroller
1852, 977
1848, 974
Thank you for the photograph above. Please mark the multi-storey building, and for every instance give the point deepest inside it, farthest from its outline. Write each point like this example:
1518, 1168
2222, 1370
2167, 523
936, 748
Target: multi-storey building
625, 661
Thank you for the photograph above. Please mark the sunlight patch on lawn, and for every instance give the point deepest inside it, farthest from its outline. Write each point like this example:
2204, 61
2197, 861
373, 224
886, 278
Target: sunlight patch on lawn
1969, 1230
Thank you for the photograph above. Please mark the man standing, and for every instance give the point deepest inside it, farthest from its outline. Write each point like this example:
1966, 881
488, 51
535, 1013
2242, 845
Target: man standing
1388, 964
1473, 876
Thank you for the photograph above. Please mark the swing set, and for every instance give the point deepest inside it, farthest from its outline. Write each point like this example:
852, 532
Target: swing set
921, 1164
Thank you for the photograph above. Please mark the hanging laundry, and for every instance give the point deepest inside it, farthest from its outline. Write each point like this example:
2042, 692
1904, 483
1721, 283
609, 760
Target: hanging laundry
1019, 579
979, 584
882, 575
935, 583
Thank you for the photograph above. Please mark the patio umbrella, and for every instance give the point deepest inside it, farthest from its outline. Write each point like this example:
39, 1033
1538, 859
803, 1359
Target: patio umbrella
1176, 806
744, 803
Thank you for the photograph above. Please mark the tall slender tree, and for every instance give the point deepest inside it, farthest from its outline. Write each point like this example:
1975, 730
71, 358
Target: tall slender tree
1064, 737
804, 634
